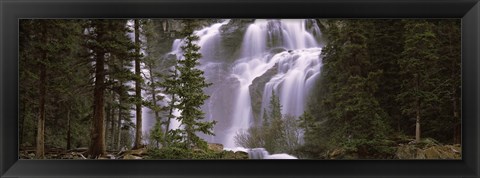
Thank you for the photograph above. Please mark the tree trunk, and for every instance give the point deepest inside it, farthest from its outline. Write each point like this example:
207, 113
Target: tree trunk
170, 113
154, 98
22, 120
138, 91
119, 121
69, 136
417, 123
166, 141
97, 145
457, 128
40, 146
417, 126
108, 107
112, 124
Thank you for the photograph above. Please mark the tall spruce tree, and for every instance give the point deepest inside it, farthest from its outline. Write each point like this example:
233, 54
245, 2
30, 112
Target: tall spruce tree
172, 87
446, 118
385, 44
351, 116
107, 40
138, 86
419, 72
191, 95
274, 136
154, 82
50, 46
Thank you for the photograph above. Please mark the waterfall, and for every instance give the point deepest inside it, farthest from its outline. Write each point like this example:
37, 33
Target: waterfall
289, 44
257, 153
261, 153
298, 67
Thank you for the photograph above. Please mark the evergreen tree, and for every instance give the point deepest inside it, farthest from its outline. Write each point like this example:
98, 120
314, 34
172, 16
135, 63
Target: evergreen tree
119, 67
50, 46
277, 134
107, 40
307, 123
385, 44
419, 72
449, 50
138, 88
191, 96
154, 83
351, 117
274, 136
172, 87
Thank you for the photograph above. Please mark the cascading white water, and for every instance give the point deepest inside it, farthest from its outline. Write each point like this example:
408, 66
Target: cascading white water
209, 40
296, 75
298, 62
297, 69
261, 153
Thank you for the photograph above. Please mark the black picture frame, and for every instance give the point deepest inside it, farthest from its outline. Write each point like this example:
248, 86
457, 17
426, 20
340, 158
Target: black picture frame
13, 10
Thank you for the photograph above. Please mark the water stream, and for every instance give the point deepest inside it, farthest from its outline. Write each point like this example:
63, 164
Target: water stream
289, 45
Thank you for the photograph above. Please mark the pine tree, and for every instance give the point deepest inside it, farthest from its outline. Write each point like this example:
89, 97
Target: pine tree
385, 44
446, 116
418, 69
191, 96
108, 41
172, 87
138, 88
451, 29
307, 123
50, 46
154, 83
351, 117
274, 134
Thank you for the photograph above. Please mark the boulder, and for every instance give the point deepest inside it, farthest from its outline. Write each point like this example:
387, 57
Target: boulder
428, 150
256, 91
138, 152
336, 153
241, 155
216, 147
340, 153
31, 155
131, 157
235, 155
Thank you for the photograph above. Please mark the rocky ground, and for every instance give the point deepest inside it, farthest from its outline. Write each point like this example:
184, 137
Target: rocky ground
408, 149
428, 150
143, 153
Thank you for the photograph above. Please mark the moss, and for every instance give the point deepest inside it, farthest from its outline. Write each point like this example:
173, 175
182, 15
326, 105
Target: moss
181, 153
428, 149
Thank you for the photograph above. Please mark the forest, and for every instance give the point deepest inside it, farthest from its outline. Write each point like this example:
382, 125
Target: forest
240, 89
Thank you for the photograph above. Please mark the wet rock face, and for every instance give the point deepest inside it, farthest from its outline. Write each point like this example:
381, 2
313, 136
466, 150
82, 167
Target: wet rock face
256, 92
232, 37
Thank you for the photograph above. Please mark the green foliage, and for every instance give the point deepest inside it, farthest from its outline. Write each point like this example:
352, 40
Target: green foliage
277, 133
157, 133
349, 109
376, 75
182, 153
56, 45
252, 138
191, 83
